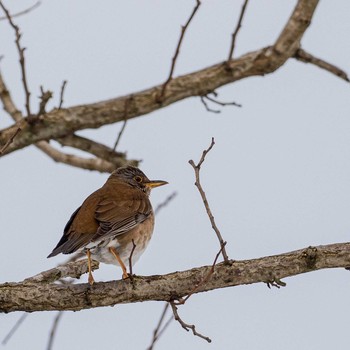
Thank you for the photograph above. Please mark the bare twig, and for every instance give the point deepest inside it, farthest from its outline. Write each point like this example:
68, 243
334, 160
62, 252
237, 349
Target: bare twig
24, 12
120, 134
177, 51
207, 107
203, 281
21, 57
158, 330
187, 326
238, 27
196, 169
10, 140
163, 204
44, 99
126, 112
14, 328
54, 329
62, 93
130, 257
223, 104
303, 56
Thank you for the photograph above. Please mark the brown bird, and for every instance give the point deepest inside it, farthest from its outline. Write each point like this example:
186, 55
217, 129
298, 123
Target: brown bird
112, 221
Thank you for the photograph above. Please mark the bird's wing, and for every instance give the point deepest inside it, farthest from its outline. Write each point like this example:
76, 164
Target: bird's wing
80, 228
102, 216
117, 216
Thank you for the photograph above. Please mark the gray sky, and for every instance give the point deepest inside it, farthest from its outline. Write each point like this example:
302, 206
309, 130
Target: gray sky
277, 179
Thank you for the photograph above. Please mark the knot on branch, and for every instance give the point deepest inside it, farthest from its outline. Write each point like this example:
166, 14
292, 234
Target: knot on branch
310, 257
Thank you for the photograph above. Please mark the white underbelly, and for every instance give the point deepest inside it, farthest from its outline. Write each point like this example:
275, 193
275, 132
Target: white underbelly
102, 253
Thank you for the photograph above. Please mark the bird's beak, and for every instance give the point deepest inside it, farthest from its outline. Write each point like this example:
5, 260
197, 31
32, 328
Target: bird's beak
155, 183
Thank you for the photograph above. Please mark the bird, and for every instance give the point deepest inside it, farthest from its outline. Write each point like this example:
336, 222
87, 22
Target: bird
115, 223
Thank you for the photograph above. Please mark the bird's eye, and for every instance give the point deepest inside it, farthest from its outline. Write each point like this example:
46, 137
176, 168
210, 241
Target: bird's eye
138, 179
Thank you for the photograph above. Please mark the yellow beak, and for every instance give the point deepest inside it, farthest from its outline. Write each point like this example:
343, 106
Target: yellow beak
155, 183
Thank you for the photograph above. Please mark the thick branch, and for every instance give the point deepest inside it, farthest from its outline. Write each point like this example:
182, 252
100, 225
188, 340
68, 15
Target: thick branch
59, 123
43, 297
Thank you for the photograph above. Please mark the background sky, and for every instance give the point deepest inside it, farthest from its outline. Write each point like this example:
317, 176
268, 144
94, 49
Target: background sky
277, 179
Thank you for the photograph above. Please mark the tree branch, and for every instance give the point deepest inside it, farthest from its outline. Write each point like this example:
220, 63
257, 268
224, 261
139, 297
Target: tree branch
238, 27
197, 168
303, 56
24, 12
177, 51
98, 164
24, 296
21, 58
60, 123
72, 269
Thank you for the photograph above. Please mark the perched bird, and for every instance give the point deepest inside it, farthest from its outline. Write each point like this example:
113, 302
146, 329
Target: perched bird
114, 222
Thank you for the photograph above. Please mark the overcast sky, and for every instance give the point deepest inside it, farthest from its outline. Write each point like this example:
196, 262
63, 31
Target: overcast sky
277, 179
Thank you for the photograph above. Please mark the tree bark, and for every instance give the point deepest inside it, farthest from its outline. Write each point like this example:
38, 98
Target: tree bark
40, 296
62, 122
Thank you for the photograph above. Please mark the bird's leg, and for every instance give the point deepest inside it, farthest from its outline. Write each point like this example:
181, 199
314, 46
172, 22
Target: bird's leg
91, 278
116, 255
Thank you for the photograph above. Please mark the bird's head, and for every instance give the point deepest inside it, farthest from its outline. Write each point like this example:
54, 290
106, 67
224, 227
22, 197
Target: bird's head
136, 178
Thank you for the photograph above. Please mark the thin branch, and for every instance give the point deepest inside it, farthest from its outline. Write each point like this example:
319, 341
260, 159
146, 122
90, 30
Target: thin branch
203, 281
163, 204
21, 57
31, 297
238, 27
126, 112
303, 56
54, 329
118, 159
206, 106
177, 51
120, 134
24, 12
187, 326
97, 164
223, 104
130, 257
196, 169
62, 93
44, 99
158, 331
14, 329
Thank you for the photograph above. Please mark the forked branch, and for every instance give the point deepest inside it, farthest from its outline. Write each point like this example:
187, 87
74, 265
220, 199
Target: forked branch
196, 168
